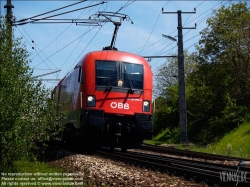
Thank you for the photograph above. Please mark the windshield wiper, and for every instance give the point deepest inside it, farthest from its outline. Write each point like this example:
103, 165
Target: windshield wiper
129, 81
109, 87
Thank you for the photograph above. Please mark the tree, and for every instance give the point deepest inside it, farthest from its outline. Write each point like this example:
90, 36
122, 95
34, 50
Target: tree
167, 75
217, 91
27, 115
226, 41
167, 105
220, 85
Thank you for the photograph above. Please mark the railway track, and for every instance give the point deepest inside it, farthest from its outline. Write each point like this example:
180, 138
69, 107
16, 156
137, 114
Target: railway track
211, 174
187, 153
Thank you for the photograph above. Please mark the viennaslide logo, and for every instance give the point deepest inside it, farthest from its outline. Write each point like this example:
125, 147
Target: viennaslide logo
233, 176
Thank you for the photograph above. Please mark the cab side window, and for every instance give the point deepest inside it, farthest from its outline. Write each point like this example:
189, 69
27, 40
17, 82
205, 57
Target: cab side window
80, 75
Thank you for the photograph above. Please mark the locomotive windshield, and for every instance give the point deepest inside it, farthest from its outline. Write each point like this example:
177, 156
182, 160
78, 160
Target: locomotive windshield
119, 74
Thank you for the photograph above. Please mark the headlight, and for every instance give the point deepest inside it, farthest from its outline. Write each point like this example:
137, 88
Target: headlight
145, 103
90, 100
120, 83
146, 106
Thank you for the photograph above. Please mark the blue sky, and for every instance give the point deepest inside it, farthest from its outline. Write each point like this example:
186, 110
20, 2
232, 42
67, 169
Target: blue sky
60, 46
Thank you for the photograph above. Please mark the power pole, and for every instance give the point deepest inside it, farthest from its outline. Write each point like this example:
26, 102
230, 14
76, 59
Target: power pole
9, 7
181, 77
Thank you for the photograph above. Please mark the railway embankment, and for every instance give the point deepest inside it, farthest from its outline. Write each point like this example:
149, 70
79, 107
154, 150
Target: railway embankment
235, 143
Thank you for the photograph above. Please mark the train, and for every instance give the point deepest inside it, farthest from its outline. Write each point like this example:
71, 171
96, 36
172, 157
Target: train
108, 100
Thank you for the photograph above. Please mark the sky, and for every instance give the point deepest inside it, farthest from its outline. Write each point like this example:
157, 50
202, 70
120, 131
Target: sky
59, 46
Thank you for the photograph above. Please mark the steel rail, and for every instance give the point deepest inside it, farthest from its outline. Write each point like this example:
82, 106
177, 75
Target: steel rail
210, 173
188, 153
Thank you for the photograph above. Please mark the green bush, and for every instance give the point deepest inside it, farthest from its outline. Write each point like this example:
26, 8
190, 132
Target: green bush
27, 115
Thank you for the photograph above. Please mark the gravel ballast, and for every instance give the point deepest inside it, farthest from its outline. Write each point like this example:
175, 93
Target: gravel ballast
97, 171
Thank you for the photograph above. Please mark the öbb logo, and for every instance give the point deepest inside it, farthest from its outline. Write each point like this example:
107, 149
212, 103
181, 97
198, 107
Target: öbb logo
119, 105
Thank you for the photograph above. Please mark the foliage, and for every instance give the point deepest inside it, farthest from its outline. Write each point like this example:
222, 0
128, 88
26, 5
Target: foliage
226, 42
169, 135
24, 164
166, 112
166, 136
27, 116
167, 75
220, 85
217, 89
167, 108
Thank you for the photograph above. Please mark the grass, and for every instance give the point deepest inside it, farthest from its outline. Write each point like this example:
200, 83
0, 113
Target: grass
26, 165
166, 136
236, 143
35, 173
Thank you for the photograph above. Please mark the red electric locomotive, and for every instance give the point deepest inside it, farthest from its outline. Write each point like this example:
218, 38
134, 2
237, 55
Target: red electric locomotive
108, 98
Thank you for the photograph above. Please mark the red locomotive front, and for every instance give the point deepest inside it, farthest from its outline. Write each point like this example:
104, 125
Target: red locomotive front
108, 98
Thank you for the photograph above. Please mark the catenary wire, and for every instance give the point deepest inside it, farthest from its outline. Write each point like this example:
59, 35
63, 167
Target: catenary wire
78, 43
62, 48
61, 32
191, 20
30, 44
98, 32
65, 12
74, 50
194, 19
151, 31
38, 47
52, 11
184, 42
